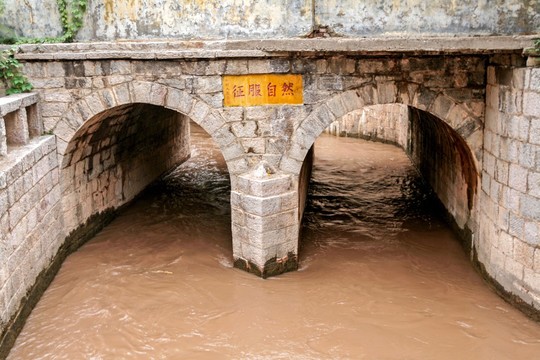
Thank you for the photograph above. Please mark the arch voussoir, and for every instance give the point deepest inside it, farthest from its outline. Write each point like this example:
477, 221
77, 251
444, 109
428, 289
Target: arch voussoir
122, 94
141, 92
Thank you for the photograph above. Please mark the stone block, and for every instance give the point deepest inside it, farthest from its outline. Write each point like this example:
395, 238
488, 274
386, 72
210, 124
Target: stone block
353, 100
199, 112
273, 238
232, 151
518, 178
501, 173
141, 92
532, 280
534, 184
537, 260
506, 243
526, 155
530, 207
237, 166
513, 268
532, 233
158, 94
261, 206
336, 106
254, 145
531, 104
236, 67
290, 165
212, 123
16, 125
523, 253
516, 225
224, 136
534, 131
245, 129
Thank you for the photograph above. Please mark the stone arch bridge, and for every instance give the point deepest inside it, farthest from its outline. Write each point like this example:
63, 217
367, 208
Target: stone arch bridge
466, 110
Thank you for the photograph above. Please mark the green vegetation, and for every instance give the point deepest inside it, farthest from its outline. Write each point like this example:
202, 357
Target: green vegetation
71, 13
9, 73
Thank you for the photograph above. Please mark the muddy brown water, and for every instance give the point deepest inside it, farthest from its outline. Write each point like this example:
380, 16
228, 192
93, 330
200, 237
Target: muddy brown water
381, 276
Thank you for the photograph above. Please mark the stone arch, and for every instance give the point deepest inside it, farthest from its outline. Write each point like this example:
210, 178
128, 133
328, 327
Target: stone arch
456, 114
439, 116
142, 92
93, 180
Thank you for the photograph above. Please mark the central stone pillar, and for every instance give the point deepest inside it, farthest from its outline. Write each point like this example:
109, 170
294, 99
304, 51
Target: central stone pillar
265, 222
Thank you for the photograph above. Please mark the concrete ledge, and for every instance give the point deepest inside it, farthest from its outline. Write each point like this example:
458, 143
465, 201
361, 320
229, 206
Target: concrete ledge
177, 49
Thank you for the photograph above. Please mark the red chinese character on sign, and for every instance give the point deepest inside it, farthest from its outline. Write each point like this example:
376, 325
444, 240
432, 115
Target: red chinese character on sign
287, 89
255, 90
238, 91
271, 90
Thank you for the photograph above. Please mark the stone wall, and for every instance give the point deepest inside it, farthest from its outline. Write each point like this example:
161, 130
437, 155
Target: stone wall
438, 152
31, 227
446, 162
234, 19
31, 222
386, 123
116, 155
509, 240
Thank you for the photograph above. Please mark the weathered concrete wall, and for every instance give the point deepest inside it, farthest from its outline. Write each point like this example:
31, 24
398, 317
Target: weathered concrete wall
116, 155
249, 19
36, 18
509, 241
435, 17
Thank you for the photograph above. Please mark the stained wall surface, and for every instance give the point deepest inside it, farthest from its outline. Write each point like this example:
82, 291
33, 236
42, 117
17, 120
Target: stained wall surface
250, 19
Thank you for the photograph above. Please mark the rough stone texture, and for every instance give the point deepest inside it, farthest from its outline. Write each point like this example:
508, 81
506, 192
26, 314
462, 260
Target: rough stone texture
19, 120
438, 152
265, 222
119, 110
144, 19
509, 240
117, 154
31, 223
385, 123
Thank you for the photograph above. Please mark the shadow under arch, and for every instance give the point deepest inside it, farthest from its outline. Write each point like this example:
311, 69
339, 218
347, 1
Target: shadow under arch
143, 92
441, 154
114, 142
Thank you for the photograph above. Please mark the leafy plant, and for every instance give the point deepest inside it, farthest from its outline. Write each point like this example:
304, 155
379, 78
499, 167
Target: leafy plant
10, 75
71, 13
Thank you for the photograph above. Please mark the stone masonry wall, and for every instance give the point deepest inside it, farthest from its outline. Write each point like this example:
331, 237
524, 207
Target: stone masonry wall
31, 223
386, 123
448, 166
116, 155
452, 87
78, 85
439, 153
508, 245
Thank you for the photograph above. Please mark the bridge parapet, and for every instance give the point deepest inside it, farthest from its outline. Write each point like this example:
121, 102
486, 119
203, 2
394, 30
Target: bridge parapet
19, 120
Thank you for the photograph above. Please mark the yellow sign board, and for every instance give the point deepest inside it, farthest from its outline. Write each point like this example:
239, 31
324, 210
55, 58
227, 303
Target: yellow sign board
266, 89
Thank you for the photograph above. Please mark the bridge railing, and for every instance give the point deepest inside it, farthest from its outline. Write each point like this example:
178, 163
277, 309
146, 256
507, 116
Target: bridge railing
19, 120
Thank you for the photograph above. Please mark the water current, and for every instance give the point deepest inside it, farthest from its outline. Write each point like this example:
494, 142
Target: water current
381, 276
